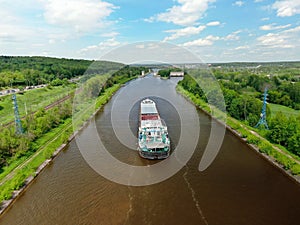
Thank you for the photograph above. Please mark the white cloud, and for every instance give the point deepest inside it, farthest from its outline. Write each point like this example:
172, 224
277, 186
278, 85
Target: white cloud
7, 17
80, 15
149, 20
287, 8
273, 40
265, 19
244, 47
239, 3
141, 46
257, 1
294, 30
187, 31
212, 38
285, 39
11, 33
52, 41
198, 43
213, 23
273, 27
110, 43
110, 34
12, 27
187, 13
208, 41
101, 48
270, 39
233, 36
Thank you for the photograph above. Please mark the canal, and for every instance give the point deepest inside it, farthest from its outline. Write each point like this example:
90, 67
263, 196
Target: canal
239, 187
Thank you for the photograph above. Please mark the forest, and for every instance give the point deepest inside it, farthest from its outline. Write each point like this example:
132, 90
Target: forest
243, 93
283, 87
27, 71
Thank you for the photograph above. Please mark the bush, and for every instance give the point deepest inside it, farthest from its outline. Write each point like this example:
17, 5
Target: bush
265, 147
253, 140
285, 161
295, 169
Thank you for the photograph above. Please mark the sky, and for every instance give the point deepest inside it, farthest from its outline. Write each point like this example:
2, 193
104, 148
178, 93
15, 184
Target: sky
214, 30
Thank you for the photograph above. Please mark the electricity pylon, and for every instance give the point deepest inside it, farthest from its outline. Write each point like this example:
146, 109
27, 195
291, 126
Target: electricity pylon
19, 128
263, 115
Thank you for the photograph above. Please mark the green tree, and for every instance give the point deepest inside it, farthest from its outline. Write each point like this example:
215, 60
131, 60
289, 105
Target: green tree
282, 128
294, 143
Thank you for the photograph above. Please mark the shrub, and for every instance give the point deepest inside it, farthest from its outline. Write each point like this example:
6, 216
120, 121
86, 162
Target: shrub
253, 140
295, 169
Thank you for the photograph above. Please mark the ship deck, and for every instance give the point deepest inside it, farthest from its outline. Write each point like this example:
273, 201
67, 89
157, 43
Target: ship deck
151, 124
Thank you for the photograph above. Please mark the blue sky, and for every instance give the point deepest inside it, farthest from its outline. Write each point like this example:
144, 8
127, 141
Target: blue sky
215, 30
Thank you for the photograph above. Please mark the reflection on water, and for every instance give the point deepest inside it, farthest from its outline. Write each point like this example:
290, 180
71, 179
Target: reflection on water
238, 188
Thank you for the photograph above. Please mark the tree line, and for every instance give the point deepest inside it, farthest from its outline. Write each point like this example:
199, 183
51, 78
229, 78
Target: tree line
242, 107
283, 130
282, 89
28, 71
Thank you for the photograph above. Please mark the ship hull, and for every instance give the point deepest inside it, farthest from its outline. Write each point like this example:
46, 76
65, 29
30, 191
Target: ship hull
153, 137
147, 155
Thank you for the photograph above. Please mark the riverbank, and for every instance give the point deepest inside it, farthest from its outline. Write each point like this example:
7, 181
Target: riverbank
281, 160
38, 162
16, 182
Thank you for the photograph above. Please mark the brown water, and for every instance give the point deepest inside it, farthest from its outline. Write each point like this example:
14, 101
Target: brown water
238, 188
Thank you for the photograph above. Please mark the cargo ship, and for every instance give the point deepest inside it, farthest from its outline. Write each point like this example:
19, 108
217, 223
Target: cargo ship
153, 138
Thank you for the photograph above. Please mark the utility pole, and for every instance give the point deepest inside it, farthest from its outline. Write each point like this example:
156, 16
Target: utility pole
263, 115
19, 128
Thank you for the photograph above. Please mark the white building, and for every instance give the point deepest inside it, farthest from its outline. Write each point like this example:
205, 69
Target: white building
177, 74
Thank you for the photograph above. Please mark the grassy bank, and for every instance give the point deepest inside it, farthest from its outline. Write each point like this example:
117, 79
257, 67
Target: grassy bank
45, 146
36, 147
287, 160
14, 176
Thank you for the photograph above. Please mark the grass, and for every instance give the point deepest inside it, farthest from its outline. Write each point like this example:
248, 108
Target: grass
15, 163
33, 99
285, 110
